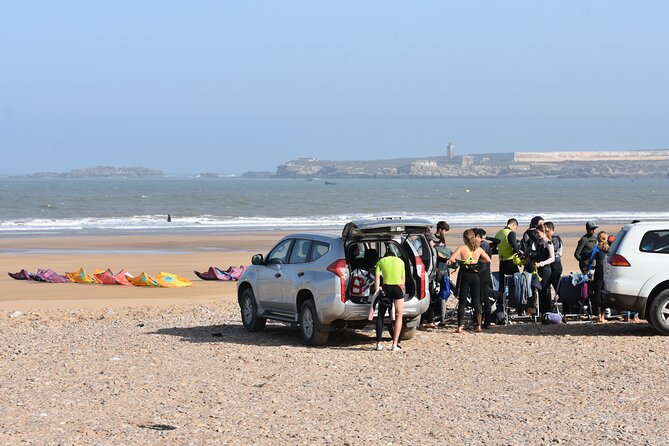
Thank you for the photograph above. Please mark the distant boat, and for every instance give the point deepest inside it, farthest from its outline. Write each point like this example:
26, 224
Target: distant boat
313, 179
330, 183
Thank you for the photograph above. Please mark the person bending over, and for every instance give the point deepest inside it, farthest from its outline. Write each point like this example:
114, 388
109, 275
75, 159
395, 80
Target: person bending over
469, 255
391, 268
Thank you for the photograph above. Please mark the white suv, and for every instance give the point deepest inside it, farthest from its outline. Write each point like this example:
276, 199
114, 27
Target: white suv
636, 274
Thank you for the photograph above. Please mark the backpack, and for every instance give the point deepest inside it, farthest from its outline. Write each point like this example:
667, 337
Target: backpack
529, 244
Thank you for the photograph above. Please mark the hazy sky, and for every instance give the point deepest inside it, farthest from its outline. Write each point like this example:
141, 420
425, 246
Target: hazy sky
215, 86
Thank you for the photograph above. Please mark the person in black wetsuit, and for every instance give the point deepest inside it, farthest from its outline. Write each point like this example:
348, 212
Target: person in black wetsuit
484, 276
529, 244
545, 259
556, 266
469, 255
585, 246
598, 279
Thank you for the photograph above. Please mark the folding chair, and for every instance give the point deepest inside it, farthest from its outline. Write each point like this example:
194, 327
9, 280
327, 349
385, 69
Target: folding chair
569, 295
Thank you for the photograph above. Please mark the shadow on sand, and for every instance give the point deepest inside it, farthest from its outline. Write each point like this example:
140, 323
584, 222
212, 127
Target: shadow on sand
577, 328
274, 335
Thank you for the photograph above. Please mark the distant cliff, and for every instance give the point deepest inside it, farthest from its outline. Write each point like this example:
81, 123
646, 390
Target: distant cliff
102, 172
628, 163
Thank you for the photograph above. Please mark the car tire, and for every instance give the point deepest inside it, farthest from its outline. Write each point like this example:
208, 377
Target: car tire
310, 329
407, 333
249, 309
659, 312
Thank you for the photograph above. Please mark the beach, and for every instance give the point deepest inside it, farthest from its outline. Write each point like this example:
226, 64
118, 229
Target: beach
96, 364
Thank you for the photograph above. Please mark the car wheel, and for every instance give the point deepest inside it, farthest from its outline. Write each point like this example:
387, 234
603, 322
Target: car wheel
659, 312
309, 327
407, 333
249, 308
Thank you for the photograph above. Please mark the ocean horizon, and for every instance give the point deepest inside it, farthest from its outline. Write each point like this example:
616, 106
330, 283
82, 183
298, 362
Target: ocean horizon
141, 206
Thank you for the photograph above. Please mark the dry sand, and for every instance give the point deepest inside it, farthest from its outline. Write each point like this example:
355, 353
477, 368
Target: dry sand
107, 365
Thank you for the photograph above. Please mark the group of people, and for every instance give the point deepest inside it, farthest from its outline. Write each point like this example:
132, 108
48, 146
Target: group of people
538, 251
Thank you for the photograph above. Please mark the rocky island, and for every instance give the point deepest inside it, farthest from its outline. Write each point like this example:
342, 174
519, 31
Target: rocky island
621, 163
102, 172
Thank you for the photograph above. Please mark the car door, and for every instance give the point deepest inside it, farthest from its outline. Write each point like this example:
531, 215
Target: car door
270, 276
294, 274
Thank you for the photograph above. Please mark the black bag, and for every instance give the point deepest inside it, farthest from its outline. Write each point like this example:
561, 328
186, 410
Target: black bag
568, 294
498, 318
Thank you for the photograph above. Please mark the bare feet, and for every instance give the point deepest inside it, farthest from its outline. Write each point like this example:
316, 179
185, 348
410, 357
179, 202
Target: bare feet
460, 329
479, 329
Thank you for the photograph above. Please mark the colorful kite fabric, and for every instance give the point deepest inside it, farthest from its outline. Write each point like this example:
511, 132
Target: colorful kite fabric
235, 272
50, 276
169, 280
22, 275
81, 277
143, 280
214, 273
105, 277
122, 277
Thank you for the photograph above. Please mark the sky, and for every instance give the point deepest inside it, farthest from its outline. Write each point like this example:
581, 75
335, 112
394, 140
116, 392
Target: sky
233, 86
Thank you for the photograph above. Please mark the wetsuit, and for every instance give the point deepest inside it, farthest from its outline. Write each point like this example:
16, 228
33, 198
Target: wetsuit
583, 250
530, 245
486, 283
506, 248
392, 270
443, 253
556, 267
544, 262
598, 282
470, 286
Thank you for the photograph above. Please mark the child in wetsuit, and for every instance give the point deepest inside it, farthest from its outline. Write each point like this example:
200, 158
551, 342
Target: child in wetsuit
598, 279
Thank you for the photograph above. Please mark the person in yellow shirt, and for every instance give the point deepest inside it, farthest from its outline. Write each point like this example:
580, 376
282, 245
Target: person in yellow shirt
391, 268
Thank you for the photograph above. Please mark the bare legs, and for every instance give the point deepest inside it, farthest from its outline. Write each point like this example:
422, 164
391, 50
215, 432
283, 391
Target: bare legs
399, 311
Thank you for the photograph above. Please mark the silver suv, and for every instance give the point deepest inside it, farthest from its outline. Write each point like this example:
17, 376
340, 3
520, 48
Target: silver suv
323, 282
636, 273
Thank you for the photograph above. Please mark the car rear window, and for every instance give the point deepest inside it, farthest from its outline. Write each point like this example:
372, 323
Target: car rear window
655, 241
616, 243
318, 250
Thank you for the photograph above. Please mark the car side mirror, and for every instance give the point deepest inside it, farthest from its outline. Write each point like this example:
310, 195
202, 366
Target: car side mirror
258, 259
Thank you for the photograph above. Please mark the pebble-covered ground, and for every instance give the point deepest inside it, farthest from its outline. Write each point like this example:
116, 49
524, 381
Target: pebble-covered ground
191, 375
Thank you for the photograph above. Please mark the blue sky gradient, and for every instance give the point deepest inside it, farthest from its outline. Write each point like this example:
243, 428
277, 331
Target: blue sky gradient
209, 86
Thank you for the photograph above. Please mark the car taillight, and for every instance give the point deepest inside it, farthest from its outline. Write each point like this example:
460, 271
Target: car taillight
618, 260
420, 269
341, 270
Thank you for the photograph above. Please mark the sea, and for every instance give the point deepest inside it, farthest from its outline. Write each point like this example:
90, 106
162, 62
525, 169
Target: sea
39, 207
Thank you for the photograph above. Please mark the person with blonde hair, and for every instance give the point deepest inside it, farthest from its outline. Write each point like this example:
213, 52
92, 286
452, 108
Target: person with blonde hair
544, 263
468, 256
598, 279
